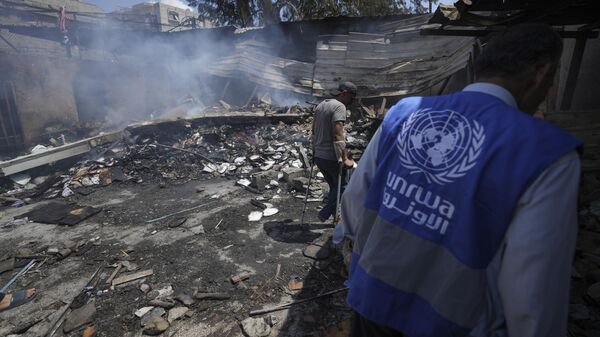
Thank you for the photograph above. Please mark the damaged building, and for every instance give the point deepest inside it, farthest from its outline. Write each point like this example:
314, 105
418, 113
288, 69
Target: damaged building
155, 167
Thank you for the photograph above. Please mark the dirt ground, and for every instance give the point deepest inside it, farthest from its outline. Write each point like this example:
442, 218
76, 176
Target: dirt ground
179, 258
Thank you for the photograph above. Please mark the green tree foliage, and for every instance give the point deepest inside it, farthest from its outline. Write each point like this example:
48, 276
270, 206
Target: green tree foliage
246, 13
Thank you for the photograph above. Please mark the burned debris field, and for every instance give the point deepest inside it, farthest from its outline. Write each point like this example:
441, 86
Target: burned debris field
158, 173
159, 231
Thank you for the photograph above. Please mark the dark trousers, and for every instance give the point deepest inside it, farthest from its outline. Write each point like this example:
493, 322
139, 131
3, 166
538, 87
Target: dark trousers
362, 327
330, 170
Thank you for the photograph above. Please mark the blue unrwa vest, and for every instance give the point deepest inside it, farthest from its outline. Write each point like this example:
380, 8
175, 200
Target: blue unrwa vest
450, 171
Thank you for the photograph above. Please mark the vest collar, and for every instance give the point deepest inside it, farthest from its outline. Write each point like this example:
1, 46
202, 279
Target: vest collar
494, 90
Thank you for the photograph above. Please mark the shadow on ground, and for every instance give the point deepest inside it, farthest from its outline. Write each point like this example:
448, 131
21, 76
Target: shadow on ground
328, 316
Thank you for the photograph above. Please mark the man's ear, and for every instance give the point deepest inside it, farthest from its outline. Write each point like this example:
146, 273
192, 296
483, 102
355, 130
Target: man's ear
543, 72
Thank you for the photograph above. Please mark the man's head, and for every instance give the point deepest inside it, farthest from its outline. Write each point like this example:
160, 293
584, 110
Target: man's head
345, 93
523, 59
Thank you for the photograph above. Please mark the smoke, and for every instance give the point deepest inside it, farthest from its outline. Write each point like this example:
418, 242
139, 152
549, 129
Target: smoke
147, 76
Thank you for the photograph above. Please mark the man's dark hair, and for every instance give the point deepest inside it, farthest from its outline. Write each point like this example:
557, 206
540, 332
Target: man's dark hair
519, 49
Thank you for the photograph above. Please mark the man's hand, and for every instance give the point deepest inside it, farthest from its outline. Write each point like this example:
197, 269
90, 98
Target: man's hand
349, 163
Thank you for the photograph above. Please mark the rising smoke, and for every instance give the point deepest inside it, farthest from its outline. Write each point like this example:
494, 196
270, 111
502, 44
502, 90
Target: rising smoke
148, 76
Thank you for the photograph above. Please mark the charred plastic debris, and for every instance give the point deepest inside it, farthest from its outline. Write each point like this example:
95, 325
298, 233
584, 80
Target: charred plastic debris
267, 156
251, 149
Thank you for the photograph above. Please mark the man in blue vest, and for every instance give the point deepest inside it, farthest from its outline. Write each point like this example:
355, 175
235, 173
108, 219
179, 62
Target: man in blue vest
463, 207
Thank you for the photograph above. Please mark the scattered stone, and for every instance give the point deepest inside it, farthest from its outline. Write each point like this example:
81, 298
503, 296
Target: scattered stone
244, 182
167, 304
24, 252
291, 173
165, 291
185, 299
130, 266
7, 265
69, 244
255, 216
317, 252
256, 327
143, 311
64, 252
240, 277
52, 250
189, 313
176, 313
156, 312
261, 180
155, 326
270, 211
197, 230
79, 317
145, 288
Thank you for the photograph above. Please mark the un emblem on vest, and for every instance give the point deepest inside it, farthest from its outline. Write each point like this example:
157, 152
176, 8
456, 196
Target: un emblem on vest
442, 145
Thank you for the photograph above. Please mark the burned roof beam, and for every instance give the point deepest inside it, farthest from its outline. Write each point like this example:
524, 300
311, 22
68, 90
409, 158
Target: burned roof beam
554, 13
570, 34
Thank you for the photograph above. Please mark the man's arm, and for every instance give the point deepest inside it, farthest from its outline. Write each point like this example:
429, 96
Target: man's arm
338, 131
536, 264
353, 199
339, 137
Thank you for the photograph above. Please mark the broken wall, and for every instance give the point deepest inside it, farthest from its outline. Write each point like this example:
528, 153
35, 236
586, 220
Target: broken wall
43, 93
587, 90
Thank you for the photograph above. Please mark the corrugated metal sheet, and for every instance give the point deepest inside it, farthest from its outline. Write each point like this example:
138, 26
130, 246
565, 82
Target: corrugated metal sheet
255, 61
400, 62
397, 61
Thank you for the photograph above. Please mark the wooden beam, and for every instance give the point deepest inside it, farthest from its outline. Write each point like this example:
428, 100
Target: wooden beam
570, 34
132, 277
574, 68
30, 161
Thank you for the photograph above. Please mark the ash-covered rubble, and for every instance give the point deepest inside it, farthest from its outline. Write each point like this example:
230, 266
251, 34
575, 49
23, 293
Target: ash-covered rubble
584, 314
257, 156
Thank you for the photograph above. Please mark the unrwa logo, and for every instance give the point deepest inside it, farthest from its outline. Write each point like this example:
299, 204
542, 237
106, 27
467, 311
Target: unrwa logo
443, 145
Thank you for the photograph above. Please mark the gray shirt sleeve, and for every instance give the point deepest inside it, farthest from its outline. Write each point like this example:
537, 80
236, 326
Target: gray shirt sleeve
535, 270
339, 114
354, 196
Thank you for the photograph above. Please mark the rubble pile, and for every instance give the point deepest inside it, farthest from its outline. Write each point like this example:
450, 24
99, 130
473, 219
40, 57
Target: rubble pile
188, 153
204, 153
263, 107
584, 319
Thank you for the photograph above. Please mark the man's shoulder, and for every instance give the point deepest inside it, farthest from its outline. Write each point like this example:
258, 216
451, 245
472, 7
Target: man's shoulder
330, 104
